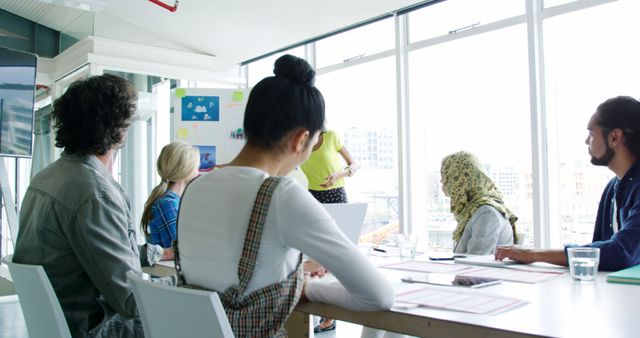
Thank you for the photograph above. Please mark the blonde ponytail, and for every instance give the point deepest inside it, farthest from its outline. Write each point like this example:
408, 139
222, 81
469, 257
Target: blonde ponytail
156, 193
177, 162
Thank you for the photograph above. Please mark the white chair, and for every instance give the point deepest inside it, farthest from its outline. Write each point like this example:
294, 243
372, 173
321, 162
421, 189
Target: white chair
40, 306
169, 311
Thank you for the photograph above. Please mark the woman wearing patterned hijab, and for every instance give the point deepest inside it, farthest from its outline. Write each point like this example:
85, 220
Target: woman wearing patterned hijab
483, 220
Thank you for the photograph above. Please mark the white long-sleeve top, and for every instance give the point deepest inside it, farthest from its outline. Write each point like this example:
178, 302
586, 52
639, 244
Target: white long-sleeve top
212, 225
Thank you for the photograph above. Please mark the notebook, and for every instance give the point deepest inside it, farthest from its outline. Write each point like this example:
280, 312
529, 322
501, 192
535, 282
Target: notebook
628, 276
484, 260
349, 217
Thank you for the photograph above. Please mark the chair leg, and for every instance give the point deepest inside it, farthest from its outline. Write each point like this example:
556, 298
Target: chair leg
299, 325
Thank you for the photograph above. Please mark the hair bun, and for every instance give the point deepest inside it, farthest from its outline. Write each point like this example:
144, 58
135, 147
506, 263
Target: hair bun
295, 69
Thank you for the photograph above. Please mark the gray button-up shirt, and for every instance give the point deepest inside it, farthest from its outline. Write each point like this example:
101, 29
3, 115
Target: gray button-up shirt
76, 222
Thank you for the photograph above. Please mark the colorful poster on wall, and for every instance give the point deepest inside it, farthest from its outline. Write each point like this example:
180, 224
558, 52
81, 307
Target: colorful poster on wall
200, 108
207, 158
221, 127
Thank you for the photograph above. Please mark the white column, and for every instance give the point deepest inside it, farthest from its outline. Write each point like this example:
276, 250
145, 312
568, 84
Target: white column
404, 136
545, 208
134, 164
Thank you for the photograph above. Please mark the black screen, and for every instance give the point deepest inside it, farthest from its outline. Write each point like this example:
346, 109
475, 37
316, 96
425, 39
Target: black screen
17, 95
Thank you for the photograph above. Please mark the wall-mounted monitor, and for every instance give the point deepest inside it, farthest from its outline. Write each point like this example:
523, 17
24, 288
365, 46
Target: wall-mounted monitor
17, 96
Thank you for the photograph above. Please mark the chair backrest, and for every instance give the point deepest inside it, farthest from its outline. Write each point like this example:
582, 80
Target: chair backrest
40, 306
349, 217
170, 311
521, 237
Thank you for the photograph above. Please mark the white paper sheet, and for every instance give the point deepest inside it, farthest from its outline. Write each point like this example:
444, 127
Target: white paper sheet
457, 300
421, 266
511, 275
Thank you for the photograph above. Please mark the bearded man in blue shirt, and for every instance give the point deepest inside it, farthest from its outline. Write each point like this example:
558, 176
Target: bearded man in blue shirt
614, 142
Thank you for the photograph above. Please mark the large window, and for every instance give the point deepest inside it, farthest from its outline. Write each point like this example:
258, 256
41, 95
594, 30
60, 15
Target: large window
454, 16
586, 64
18, 173
552, 3
264, 67
356, 43
361, 105
471, 94
469, 76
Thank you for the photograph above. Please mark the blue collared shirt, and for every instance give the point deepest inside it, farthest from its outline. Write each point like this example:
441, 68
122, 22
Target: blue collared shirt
622, 249
164, 212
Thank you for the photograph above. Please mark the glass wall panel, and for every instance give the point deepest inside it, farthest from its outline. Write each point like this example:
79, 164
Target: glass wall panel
471, 94
585, 65
356, 43
361, 108
450, 16
552, 3
264, 67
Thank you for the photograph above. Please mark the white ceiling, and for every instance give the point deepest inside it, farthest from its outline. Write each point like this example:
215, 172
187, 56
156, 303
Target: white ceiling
234, 31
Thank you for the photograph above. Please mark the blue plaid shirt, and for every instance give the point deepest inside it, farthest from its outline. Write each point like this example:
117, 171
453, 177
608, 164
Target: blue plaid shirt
164, 213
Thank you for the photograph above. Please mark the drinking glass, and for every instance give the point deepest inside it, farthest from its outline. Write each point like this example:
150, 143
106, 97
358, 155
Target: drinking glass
583, 263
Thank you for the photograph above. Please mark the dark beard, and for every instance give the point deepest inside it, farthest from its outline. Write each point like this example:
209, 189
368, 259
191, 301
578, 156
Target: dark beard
605, 159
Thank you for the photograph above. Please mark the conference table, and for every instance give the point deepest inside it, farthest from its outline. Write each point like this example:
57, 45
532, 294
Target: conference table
559, 307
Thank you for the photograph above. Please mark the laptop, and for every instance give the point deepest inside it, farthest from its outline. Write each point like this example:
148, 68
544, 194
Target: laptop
349, 217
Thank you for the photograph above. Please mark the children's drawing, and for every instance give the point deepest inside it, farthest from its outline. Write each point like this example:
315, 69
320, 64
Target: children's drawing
207, 158
201, 108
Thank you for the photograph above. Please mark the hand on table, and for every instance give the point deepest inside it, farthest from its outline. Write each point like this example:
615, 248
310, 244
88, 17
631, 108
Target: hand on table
515, 253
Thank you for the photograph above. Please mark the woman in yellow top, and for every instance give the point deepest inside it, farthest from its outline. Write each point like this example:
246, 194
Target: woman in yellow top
324, 169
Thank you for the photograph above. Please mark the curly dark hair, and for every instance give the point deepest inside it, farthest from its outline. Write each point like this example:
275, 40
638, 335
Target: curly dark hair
94, 114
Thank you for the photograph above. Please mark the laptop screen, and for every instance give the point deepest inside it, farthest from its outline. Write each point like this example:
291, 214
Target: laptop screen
349, 217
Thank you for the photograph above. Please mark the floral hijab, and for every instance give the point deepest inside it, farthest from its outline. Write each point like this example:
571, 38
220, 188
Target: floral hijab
469, 187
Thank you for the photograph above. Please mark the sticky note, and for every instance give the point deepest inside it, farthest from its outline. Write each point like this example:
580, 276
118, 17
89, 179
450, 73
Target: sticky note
181, 92
182, 133
238, 96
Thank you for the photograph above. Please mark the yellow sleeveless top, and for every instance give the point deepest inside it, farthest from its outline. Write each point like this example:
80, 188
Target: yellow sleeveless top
323, 162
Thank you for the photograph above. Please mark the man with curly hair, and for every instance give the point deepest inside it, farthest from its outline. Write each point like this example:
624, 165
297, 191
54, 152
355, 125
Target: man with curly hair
75, 219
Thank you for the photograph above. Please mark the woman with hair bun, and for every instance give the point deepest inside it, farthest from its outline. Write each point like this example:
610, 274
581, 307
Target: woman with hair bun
177, 165
243, 228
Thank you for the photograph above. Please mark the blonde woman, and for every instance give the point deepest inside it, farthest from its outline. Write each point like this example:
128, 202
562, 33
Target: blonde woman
178, 165
476, 203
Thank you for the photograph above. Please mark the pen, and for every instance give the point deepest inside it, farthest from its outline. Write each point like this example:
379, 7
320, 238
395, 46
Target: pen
449, 258
379, 250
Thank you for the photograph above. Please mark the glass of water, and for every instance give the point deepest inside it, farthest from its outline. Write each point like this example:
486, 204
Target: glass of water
408, 244
583, 263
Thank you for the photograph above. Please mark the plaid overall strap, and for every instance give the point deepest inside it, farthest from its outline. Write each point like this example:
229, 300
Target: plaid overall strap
262, 313
247, 263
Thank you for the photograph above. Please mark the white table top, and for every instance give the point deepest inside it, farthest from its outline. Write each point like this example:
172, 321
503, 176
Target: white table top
559, 307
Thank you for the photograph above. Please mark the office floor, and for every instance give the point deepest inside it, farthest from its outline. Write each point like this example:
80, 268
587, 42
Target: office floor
11, 320
6, 286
